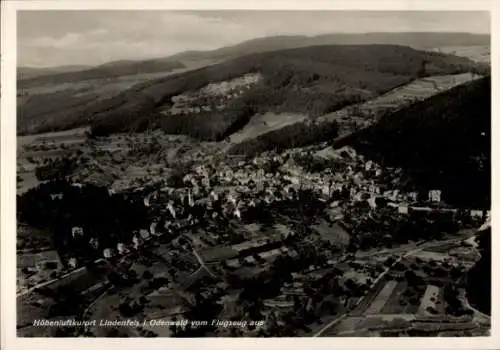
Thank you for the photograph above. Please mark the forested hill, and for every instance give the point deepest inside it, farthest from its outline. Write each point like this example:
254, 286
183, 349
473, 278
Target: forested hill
442, 142
479, 277
311, 80
111, 70
415, 40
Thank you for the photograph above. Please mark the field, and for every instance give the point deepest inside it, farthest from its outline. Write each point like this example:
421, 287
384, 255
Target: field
475, 53
334, 233
392, 298
379, 302
417, 90
32, 306
218, 254
389, 308
393, 304
31, 149
43, 107
429, 299
260, 124
432, 255
348, 119
36, 261
368, 299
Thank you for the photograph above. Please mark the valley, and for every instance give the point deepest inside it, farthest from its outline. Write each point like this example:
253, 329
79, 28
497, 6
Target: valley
322, 190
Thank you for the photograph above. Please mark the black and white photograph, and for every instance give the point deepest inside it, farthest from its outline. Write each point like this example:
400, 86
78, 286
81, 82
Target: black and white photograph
253, 173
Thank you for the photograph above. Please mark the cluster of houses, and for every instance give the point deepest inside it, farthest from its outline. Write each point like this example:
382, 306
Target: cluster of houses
222, 192
213, 92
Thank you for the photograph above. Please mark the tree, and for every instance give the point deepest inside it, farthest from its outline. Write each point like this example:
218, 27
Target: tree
147, 275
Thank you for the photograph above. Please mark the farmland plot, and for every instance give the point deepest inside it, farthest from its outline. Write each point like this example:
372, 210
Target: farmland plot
396, 304
429, 299
367, 301
382, 297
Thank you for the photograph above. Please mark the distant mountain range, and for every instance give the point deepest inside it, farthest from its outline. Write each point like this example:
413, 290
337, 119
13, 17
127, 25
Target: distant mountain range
109, 70
421, 41
442, 142
310, 80
32, 72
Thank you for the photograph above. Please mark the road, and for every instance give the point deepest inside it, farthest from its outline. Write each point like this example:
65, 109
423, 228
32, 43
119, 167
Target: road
185, 283
382, 274
44, 284
69, 274
202, 263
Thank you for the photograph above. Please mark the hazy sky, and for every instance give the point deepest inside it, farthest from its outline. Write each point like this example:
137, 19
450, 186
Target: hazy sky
51, 38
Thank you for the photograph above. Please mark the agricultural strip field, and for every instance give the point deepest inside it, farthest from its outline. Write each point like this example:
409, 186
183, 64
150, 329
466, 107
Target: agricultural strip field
429, 299
367, 301
417, 90
442, 249
218, 254
261, 124
333, 234
393, 304
382, 297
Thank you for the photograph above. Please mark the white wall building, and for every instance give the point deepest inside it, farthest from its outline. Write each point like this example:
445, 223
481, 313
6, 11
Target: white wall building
107, 253
72, 262
77, 231
435, 196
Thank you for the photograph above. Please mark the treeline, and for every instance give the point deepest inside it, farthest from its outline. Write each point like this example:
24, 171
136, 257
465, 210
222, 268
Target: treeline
312, 80
111, 70
56, 169
209, 126
384, 229
295, 135
108, 218
479, 277
443, 142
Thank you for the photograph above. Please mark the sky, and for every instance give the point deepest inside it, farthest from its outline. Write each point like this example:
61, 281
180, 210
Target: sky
64, 37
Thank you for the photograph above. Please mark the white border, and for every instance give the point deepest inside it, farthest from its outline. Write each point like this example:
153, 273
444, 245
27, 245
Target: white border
8, 184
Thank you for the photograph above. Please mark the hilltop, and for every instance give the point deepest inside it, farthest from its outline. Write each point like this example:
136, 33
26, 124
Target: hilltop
423, 41
108, 70
61, 98
313, 81
35, 72
415, 40
442, 142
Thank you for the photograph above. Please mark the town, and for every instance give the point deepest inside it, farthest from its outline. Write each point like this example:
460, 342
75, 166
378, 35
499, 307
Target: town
253, 174
274, 238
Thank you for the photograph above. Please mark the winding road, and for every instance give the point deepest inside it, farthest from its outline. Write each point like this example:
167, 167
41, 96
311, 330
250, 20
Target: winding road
382, 274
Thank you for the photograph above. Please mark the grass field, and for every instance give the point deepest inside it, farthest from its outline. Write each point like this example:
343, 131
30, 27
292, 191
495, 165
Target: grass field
381, 298
430, 255
393, 305
261, 124
334, 233
39, 104
429, 299
417, 90
218, 254
32, 306
475, 53
368, 300
72, 135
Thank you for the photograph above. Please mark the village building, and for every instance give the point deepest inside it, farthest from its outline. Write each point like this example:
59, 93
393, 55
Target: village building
233, 263
120, 247
144, 234
94, 243
76, 231
403, 209
435, 196
107, 253
476, 214
72, 262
